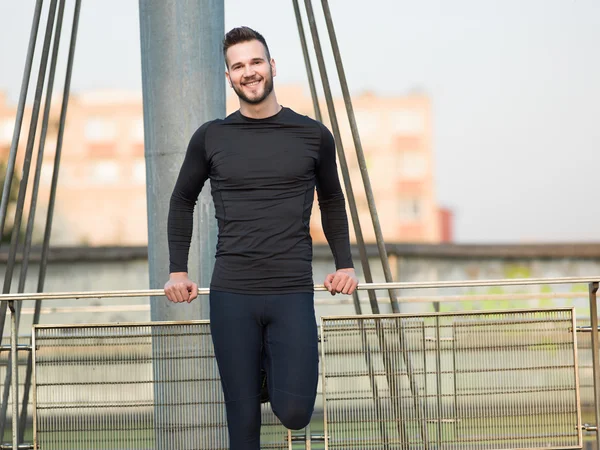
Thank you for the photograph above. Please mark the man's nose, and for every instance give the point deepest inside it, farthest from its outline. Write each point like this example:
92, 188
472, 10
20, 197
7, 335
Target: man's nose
248, 70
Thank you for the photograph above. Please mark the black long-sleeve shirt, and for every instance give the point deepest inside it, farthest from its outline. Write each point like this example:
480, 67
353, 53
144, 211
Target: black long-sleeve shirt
263, 174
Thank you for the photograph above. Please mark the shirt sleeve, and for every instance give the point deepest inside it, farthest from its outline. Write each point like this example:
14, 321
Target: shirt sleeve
180, 224
332, 203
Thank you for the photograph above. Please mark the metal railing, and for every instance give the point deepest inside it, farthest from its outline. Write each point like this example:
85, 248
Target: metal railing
482, 380
591, 330
136, 386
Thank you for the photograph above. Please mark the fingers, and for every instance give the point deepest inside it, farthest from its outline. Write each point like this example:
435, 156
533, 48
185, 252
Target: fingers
328, 280
349, 286
341, 282
180, 292
338, 282
193, 292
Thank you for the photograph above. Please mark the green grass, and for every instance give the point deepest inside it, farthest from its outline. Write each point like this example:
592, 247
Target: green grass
91, 439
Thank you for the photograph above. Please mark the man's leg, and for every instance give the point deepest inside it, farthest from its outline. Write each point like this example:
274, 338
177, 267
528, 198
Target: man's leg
237, 338
291, 344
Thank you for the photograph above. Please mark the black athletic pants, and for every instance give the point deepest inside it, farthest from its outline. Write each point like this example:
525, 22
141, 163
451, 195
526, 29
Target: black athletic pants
277, 332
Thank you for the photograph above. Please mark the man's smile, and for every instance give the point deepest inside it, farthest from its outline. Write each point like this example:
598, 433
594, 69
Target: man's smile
251, 83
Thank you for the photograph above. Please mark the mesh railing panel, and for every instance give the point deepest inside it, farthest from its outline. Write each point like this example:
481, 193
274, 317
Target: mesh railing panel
456, 381
586, 380
143, 386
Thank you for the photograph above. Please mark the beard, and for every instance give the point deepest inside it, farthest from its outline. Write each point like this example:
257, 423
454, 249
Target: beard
259, 97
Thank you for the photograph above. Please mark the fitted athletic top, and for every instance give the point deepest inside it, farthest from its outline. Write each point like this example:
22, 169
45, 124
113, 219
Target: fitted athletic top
263, 174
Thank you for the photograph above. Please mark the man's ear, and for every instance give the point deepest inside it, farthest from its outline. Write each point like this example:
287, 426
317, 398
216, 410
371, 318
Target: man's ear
228, 79
273, 67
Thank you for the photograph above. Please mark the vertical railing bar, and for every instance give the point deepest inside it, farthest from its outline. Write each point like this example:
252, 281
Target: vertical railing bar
576, 372
455, 381
57, 156
15, 375
34, 195
593, 290
33, 356
425, 382
21, 195
40, 155
10, 168
439, 381
360, 154
29, 151
373, 384
46, 242
366, 181
393, 383
307, 63
324, 384
19, 119
341, 155
411, 379
348, 184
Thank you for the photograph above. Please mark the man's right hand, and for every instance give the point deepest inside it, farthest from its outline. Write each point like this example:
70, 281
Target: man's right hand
180, 288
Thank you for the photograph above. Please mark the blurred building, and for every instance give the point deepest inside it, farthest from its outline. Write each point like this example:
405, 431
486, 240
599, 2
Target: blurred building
101, 197
396, 136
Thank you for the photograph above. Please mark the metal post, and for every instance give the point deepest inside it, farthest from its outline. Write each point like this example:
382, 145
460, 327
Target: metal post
19, 119
33, 207
23, 188
593, 289
362, 163
438, 376
57, 156
40, 155
309, 70
369, 192
341, 155
29, 151
393, 376
183, 84
14, 358
10, 168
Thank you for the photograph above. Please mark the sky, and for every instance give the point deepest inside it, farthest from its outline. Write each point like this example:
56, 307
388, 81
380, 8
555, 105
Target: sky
514, 85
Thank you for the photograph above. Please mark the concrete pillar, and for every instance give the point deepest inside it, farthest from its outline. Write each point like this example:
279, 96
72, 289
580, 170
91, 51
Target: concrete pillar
183, 84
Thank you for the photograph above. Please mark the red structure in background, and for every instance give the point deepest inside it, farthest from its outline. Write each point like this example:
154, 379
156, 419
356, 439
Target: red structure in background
446, 221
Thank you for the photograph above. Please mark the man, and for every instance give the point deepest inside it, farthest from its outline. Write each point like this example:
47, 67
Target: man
264, 162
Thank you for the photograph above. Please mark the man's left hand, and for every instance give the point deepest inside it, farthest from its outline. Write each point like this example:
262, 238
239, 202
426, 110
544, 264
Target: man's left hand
342, 281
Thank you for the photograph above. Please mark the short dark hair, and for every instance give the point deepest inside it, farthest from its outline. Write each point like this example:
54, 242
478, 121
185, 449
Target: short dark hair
243, 34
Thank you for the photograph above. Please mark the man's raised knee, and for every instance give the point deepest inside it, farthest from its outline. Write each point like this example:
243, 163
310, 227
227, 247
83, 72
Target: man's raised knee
295, 416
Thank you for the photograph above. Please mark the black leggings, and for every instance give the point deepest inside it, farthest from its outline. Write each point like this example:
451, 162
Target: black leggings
279, 333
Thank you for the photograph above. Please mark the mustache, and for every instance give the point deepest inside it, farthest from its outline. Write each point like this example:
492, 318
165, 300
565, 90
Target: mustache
250, 80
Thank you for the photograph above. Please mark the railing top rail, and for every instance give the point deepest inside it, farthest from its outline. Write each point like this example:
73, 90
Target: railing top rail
361, 287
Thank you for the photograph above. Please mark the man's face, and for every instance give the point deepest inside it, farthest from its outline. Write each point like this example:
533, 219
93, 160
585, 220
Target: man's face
250, 72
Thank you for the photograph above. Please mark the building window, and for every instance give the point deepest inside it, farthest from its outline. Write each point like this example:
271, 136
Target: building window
407, 121
104, 172
410, 209
6, 131
98, 129
46, 175
413, 164
367, 122
139, 172
137, 130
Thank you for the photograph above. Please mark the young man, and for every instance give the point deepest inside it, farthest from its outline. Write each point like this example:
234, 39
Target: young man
264, 162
